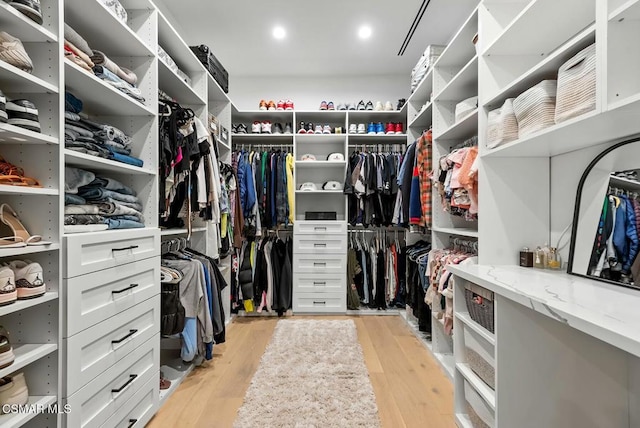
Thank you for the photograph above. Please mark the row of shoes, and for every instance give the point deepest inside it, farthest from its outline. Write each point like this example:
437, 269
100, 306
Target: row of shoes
21, 112
391, 128
20, 280
310, 128
273, 106
263, 127
362, 106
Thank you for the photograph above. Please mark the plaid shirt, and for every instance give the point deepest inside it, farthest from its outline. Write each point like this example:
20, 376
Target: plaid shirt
424, 163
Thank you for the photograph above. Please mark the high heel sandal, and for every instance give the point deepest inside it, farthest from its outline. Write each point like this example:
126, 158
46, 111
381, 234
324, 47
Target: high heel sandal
14, 175
20, 234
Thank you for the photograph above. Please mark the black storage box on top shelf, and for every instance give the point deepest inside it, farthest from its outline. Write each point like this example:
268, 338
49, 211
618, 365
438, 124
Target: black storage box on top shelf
213, 66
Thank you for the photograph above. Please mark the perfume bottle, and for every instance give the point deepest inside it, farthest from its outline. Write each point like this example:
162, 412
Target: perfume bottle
526, 257
539, 258
554, 261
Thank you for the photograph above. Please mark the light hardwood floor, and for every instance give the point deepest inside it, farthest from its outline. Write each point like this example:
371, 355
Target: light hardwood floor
411, 390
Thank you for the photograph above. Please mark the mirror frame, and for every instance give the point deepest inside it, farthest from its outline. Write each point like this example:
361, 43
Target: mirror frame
576, 214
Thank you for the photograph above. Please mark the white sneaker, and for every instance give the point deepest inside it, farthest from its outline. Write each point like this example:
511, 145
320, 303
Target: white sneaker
326, 129
256, 127
318, 129
379, 106
8, 293
266, 127
362, 129
29, 279
388, 106
353, 128
13, 390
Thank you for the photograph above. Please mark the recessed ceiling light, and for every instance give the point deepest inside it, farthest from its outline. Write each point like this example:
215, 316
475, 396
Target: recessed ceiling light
364, 32
279, 33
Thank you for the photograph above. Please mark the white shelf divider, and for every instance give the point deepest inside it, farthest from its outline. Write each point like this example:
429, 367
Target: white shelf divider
95, 163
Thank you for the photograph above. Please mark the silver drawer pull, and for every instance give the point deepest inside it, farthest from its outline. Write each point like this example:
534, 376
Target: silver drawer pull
318, 229
124, 289
125, 337
132, 377
319, 245
132, 422
319, 263
322, 302
130, 247
319, 282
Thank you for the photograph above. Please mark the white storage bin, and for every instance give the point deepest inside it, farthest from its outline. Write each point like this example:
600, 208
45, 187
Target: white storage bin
480, 413
502, 125
535, 108
480, 356
577, 85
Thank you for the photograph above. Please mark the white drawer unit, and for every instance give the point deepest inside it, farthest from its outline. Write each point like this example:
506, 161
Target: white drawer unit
309, 283
95, 349
320, 228
309, 244
97, 401
138, 410
319, 263
94, 297
321, 303
94, 252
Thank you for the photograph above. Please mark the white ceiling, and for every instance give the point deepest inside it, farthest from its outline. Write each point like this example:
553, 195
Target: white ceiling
321, 35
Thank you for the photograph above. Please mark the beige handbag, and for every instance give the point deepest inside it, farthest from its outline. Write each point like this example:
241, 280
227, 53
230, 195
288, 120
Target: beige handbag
502, 125
535, 108
577, 85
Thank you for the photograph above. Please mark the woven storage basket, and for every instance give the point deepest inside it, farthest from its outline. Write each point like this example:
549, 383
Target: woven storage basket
535, 108
481, 367
502, 125
478, 410
476, 421
480, 305
465, 107
577, 85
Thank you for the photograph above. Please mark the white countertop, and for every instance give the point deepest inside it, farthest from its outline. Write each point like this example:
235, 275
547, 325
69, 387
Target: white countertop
607, 312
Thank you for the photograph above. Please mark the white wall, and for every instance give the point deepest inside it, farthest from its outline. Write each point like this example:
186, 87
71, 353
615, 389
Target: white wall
307, 92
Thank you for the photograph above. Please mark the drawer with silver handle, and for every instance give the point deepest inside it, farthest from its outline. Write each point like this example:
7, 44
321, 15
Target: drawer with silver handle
320, 228
319, 263
94, 252
310, 283
94, 297
97, 401
95, 349
320, 303
309, 244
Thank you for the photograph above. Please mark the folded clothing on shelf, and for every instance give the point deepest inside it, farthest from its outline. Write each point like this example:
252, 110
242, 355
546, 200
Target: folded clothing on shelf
106, 201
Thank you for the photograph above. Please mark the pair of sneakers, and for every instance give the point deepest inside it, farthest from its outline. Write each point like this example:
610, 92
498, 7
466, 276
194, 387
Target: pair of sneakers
309, 128
263, 127
327, 105
29, 8
22, 113
21, 280
272, 106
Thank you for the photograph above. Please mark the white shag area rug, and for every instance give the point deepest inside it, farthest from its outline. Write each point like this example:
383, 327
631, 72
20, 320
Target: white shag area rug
311, 375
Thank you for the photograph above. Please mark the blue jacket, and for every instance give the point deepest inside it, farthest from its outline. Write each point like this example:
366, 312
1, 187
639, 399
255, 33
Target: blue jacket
632, 238
245, 185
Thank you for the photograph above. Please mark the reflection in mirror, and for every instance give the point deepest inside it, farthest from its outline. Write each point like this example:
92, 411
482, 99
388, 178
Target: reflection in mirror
606, 230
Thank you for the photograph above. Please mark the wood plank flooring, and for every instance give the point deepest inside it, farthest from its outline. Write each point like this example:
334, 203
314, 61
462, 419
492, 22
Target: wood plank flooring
411, 390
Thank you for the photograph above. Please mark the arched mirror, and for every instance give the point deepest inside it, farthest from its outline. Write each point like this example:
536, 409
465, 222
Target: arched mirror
605, 242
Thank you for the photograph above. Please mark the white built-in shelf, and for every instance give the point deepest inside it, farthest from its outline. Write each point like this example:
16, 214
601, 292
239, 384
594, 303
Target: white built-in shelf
424, 117
177, 88
464, 128
10, 134
25, 190
15, 80
176, 371
545, 69
262, 136
463, 85
30, 249
319, 191
249, 116
95, 163
471, 324
104, 32
176, 47
461, 48
362, 116
183, 231
463, 421
460, 231
624, 182
27, 354
21, 305
320, 164
372, 138
488, 394
628, 11
320, 138
18, 25
423, 91
215, 92
516, 38
15, 420
99, 97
